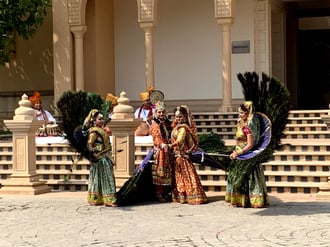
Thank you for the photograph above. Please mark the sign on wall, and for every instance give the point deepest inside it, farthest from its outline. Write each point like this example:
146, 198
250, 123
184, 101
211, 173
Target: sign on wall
240, 47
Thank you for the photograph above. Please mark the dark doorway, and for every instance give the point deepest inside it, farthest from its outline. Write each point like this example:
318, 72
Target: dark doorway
308, 53
314, 69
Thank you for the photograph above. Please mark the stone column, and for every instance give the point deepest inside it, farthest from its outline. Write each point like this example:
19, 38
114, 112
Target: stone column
79, 32
147, 17
149, 63
62, 50
123, 126
227, 101
24, 179
224, 14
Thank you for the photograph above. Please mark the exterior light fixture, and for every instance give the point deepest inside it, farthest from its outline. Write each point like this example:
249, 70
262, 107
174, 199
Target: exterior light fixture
147, 10
224, 8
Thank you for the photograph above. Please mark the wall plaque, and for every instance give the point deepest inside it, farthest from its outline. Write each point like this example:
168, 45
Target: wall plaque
240, 47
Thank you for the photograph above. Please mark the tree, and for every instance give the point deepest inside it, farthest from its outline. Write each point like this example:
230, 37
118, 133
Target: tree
22, 18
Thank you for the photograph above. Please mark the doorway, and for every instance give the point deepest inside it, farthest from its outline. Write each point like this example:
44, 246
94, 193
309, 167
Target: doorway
308, 53
314, 69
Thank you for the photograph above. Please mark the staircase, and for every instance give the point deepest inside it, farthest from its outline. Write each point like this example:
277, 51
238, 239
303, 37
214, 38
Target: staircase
301, 166
304, 161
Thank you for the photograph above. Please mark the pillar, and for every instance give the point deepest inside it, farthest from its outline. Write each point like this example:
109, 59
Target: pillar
224, 14
227, 101
78, 32
147, 17
149, 63
24, 179
123, 126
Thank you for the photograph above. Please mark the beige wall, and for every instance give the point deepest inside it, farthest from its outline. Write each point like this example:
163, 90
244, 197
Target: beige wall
99, 47
32, 68
187, 49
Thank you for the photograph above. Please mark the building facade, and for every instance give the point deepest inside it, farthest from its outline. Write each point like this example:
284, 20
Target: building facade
191, 50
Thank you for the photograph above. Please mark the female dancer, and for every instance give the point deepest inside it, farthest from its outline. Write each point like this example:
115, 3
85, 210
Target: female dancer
101, 184
252, 192
187, 186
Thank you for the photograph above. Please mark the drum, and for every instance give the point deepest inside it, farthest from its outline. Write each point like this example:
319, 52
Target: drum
52, 130
41, 131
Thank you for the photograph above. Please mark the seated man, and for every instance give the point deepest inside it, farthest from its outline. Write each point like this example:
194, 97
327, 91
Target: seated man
49, 126
146, 112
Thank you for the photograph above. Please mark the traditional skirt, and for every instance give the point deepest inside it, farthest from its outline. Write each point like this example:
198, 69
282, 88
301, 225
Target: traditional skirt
188, 187
101, 183
252, 193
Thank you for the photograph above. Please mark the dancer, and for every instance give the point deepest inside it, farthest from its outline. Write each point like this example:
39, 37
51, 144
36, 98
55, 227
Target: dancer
252, 192
160, 130
187, 186
101, 183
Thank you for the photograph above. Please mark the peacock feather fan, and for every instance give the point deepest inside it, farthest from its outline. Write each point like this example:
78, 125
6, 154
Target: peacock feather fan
272, 98
74, 106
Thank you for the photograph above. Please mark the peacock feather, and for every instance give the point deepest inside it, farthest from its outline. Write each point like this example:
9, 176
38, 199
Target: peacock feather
271, 97
74, 107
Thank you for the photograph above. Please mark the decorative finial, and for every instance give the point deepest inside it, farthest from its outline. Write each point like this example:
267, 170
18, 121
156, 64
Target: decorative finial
24, 111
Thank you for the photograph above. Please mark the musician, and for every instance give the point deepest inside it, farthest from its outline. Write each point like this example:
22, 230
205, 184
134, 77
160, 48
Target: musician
42, 114
145, 112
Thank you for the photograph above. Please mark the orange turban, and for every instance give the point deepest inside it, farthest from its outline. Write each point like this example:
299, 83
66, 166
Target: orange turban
35, 98
112, 98
146, 95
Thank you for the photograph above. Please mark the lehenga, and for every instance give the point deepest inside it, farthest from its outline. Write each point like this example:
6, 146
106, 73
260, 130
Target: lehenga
252, 191
188, 187
101, 183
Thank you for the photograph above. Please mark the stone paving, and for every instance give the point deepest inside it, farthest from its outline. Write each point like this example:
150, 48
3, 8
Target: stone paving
65, 219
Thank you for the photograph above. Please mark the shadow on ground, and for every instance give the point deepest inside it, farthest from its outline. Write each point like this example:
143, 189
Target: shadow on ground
295, 206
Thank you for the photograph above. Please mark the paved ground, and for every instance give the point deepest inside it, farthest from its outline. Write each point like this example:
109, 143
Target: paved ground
65, 219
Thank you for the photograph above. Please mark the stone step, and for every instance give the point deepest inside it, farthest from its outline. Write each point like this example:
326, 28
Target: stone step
307, 134
301, 152
307, 113
272, 189
213, 183
63, 172
297, 174
305, 120
293, 184
298, 158
225, 135
52, 181
297, 163
305, 148
217, 172
306, 127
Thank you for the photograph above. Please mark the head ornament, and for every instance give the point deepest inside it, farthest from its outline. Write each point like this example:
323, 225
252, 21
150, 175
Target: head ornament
35, 98
160, 106
88, 122
112, 98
